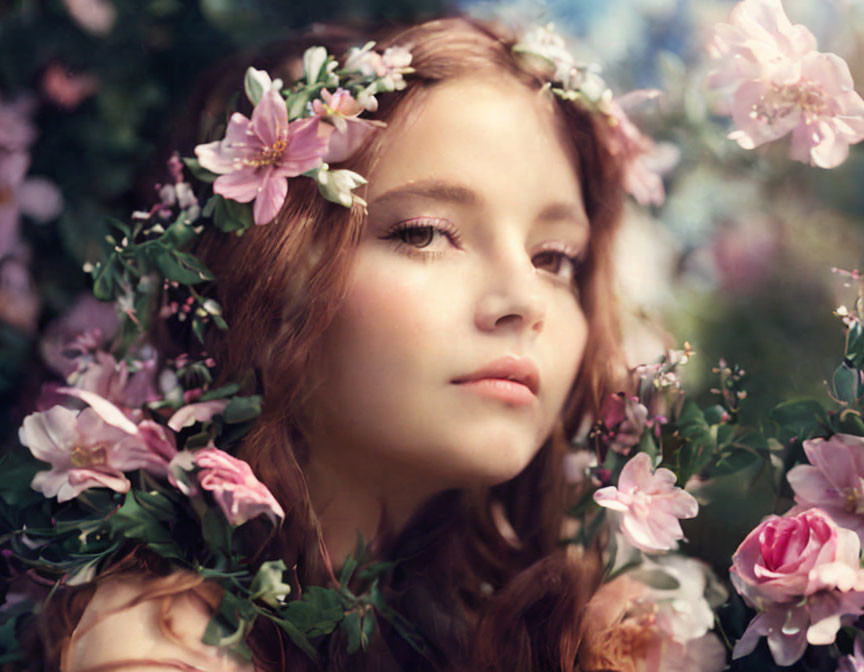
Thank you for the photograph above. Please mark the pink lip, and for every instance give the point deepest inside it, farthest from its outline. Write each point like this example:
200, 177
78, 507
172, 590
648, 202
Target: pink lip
512, 379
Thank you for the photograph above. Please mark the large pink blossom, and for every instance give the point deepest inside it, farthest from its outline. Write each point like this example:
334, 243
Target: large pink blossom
101, 374
778, 83
237, 491
342, 111
802, 573
833, 481
93, 447
33, 196
257, 155
650, 505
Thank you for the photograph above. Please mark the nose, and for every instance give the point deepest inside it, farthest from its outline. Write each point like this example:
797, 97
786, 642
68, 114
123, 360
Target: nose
511, 299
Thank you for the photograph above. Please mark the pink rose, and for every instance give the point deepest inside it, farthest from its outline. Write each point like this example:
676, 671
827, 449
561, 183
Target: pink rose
784, 559
801, 572
650, 505
237, 491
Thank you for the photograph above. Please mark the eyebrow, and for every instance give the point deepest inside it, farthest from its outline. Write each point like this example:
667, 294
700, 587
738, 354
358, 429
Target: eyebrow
449, 192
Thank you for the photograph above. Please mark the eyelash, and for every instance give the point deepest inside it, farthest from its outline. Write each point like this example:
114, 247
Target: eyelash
399, 231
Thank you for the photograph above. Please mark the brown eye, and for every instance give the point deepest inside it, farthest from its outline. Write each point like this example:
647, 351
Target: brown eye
417, 236
549, 261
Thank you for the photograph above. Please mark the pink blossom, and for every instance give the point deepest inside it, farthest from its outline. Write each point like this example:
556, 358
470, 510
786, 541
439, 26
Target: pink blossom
200, 412
36, 197
835, 481
19, 300
17, 132
650, 503
630, 632
94, 16
92, 448
342, 110
101, 374
625, 419
86, 326
67, 90
237, 491
802, 573
257, 156
855, 662
778, 83
644, 161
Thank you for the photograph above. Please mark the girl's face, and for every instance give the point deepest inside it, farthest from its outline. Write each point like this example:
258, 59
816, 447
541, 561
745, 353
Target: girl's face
462, 331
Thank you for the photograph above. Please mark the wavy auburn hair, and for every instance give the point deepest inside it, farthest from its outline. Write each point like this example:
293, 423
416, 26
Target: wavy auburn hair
483, 598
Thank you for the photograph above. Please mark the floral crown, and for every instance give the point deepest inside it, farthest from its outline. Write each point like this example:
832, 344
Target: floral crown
141, 455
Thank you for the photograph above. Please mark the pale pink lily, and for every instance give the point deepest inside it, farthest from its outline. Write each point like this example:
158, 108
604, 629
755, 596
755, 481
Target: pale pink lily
33, 196
93, 447
237, 491
257, 156
778, 83
650, 505
833, 481
341, 110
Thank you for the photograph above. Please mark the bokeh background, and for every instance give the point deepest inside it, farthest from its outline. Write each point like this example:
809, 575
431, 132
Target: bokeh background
737, 260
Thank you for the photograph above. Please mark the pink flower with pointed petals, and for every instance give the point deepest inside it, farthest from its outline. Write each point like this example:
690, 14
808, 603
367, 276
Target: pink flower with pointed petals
92, 448
833, 481
650, 503
777, 83
237, 491
257, 155
341, 109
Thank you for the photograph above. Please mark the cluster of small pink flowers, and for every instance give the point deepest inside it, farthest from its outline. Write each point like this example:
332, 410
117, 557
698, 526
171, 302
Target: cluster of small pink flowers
777, 82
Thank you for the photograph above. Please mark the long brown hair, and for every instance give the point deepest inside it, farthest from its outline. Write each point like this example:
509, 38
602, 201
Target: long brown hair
482, 599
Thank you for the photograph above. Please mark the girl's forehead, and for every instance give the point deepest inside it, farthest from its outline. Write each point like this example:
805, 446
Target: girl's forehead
488, 131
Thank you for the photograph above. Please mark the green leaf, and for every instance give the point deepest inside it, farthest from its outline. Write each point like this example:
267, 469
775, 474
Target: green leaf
347, 571
850, 422
298, 638
242, 409
18, 468
229, 215
845, 382
179, 266
352, 626
800, 420
855, 343
179, 234
200, 173
134, 522
104, 278
220, 392
297, 101
217, 531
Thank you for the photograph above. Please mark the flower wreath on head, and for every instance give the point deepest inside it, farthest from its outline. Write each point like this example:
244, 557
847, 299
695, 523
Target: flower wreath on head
139, 456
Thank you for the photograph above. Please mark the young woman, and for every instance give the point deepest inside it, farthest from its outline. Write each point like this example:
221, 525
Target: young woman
422, 366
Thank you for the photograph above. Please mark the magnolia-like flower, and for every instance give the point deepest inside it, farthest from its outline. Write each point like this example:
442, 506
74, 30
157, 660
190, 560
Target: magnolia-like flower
650, 505
237, 491
257, 155
802, 573
833, 481
388, 69
778, 83
341, 110
257, 83
93, 447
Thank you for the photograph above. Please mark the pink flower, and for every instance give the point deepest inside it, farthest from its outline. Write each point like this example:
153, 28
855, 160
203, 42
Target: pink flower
855, 662
19, 300
779, 83
650, 503
644, 161
16, 130
66, 90
86, 326
201, 412
625, 419
35, 197
94, 16
93, 447
104, 376
238, 493
835, 481
631, 632
342, 110
801, 572
257, 156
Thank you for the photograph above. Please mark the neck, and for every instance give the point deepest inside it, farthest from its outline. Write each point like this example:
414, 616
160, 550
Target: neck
366, 498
